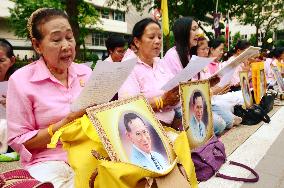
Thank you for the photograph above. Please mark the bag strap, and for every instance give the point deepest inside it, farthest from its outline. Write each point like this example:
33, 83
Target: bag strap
240, 179
265, 116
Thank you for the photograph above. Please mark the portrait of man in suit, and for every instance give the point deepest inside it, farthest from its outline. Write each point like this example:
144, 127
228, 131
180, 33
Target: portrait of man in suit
142, 153
197, 126
246, 92
278, 78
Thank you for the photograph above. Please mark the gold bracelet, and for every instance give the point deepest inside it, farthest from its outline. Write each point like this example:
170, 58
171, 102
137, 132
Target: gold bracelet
157, 101
161, 102
49, 130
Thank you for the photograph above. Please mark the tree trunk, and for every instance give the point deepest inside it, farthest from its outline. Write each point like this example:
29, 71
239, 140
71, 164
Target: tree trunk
73, 12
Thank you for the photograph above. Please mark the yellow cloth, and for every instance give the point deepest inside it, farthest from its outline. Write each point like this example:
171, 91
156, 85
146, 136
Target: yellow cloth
79, 138
255, 74
165, 17
280, 66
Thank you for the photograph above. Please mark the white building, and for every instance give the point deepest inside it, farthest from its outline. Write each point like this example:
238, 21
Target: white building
22, 46
247, 31
113, 20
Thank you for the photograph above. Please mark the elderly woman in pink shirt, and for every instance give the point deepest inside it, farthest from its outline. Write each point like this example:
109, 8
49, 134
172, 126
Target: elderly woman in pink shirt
150, 74
40, 94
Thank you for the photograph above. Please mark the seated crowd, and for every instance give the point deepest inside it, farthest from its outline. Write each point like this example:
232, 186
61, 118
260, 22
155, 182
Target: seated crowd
39, 95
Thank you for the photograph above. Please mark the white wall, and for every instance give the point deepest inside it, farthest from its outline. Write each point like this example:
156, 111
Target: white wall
113, 25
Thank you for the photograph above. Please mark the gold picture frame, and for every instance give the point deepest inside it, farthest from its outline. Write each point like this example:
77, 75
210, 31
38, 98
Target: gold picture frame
258, 80
244, 82
196, 112
261, 83
130, 133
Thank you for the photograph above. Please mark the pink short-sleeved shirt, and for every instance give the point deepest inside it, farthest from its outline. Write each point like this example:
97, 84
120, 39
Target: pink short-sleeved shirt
109, 59
129, 54
213, 67
36, 99
148, 80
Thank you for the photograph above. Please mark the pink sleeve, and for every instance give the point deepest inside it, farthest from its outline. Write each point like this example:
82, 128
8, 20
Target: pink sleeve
130, 87
20, 118
172, 60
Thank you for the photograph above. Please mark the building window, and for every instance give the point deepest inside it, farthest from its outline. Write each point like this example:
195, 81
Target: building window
120, 16
98, 39
244, 37
105, 13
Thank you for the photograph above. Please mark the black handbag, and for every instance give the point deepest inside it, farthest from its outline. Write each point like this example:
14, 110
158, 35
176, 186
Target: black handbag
252, 115
267, 102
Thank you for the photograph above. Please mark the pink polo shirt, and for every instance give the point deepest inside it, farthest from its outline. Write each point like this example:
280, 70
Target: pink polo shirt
214, 67
109, 59
172, 60
128, 54
36, 99
148, 80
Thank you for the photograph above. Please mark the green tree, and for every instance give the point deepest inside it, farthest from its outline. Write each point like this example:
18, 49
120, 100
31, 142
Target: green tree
82, 15
263, 14
236, 38
253, 39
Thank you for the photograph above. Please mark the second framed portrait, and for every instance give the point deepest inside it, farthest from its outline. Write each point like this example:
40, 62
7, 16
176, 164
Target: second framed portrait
261, 83
196, 112
244, 82
278, 77
130, 133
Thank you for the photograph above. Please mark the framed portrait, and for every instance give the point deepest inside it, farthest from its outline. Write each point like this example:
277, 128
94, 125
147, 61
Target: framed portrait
278, 77
258, 80
196, 112
130, 133
261, 83
244, 82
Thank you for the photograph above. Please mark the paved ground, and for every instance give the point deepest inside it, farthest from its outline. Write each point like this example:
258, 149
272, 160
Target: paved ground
271, 167
263, 151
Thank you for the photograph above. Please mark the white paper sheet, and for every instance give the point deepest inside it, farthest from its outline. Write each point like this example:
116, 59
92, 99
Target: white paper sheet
226, 78
105, 81
248, 53
195, 65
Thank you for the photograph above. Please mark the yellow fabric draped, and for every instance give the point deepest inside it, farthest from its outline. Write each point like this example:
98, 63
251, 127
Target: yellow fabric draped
79, 138
256, 67
280, 66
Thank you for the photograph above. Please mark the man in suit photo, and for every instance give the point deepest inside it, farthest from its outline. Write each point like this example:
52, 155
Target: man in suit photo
246, 91
197, 127
142, 153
